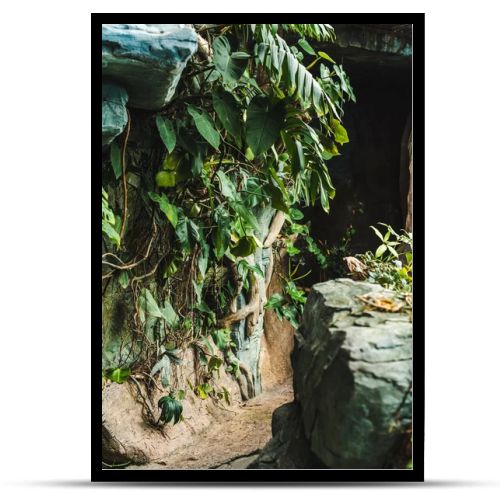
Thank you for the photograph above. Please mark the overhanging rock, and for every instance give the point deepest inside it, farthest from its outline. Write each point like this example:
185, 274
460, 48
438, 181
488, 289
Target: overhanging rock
147, 59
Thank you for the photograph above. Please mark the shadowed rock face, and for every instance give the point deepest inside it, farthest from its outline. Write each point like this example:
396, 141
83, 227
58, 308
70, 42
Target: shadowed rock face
114, 112
352, 382
147, 59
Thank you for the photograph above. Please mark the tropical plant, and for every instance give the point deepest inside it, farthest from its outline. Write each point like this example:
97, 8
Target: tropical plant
254, 120
392, 263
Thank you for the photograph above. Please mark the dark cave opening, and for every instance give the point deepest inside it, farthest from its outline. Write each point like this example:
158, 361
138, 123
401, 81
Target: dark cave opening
371, 184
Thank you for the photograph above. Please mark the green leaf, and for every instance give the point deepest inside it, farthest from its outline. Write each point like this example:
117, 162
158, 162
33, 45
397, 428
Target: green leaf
380, 250
116, 159
111, 232
377, 232
182, 232
118, 375
165, 178
304, 45
325, 203
222, 234
391, 249
123, 279
245, 214
244, 247
214, 364
296, 152
296, 214
228, 189
198, 289
166, 207
228, 111
244, 267
231, 68
240, 55
162, 366
324, 55
205, 126
274, 301
193, 231
197, 165
203, 257
148, 306
264, 123
340, 132
203, 390
277, 199
169, 314
171, 409
221, 337
167, 132
291, 68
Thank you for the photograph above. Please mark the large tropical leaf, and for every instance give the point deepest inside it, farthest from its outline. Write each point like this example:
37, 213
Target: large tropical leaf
340, 132
228, 111
264, 123
230, 67
166, 131
223, 232
116, 160
205, 126
278, 59
148, 306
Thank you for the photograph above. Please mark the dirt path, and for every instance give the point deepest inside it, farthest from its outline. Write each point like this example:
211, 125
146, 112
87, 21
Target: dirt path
233, 443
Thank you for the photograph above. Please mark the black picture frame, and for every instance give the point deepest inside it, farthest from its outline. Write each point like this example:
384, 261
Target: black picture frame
256, 477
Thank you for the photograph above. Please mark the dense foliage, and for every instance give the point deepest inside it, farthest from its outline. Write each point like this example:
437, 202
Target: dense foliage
256, 115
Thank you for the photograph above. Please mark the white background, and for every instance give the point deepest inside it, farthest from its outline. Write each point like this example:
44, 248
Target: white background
45, 248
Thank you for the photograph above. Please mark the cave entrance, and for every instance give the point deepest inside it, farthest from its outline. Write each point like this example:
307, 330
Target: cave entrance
371, 177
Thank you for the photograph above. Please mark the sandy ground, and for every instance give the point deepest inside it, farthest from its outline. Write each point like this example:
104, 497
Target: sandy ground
232, 443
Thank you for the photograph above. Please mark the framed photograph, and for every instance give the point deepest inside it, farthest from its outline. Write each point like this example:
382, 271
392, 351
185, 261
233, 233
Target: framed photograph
262, 312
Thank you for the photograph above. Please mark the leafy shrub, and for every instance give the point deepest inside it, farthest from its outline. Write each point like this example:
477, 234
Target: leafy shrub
391, 264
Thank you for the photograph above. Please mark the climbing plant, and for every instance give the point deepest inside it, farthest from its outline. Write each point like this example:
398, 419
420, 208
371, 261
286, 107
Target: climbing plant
256, 115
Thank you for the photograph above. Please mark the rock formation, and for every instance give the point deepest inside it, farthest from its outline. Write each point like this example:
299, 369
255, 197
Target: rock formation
352, 381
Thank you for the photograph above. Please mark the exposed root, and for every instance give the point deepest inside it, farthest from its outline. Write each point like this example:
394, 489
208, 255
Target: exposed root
251, 307
204, 47
274, 229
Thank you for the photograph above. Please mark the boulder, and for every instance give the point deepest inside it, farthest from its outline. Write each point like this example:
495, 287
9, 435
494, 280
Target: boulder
147, 59
352, 365
114, 112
